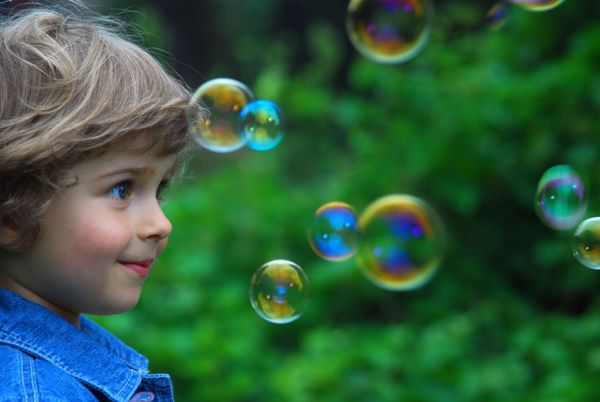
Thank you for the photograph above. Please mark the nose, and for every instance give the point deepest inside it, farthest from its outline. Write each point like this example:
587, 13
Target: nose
154, 224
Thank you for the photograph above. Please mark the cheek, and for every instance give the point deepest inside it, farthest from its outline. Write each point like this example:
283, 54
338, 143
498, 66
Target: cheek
105, 234
97, 237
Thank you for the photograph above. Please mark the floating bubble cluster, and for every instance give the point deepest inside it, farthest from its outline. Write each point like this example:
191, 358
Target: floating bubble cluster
213, 114
560, 198
399, 241
538, 5
586, 243
496, 16
261, 125
401, 244
279, 291
333, 234
223, 117
389, 31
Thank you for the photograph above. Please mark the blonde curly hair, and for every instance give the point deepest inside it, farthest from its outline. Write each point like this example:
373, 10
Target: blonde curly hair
70, 88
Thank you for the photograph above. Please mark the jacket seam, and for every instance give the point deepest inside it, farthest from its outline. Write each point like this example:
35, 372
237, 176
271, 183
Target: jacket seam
34, 387
22, 370
123, 391
28, 377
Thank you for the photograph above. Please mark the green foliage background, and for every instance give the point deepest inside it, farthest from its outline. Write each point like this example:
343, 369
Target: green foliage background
469, 125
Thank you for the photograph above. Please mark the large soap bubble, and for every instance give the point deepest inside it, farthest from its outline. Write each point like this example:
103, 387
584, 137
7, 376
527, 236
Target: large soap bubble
389, 31
213, 114
402, 242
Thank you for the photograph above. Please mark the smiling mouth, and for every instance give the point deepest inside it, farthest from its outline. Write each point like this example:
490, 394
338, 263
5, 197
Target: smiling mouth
141, 268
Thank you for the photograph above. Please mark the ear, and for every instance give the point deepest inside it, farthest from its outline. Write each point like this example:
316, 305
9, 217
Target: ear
9, 233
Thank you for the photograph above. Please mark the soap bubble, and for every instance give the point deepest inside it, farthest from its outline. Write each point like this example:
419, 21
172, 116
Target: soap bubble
279, 291
333, 234
389, 31
261, 125
538, 5
586, 243
213, 114
496, 16
402, 242
560, 198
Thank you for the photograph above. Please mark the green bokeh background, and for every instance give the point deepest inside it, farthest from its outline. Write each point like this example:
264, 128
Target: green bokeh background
469, 125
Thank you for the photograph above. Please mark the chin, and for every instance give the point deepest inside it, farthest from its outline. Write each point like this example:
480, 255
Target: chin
116, 306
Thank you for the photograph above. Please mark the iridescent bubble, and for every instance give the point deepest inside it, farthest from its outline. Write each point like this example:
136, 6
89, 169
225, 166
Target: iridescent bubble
279, 291
496, 16
538, 5
560, 200
213, 113
402, 242
586, 243
389, 31
261, 125
333, 234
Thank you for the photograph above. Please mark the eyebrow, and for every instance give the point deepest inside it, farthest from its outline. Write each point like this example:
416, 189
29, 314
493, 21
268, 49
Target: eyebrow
137, 171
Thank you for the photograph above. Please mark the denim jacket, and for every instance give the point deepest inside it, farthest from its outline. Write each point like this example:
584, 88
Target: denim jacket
45, 358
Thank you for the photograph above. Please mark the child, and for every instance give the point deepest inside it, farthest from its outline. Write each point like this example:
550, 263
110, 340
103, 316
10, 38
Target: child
91, 131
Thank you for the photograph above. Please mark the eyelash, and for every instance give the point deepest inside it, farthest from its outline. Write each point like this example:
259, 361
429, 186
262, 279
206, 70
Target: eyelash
162, 187
122, 190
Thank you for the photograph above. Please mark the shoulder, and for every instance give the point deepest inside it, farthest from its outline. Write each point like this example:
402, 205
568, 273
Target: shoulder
26, 378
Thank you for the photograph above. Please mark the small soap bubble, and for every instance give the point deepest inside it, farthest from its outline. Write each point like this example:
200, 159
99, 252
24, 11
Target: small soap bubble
586, 243
261, 125
279, 291
402, 242
333, 234
538, 5
213, 113
560, 200
389, 31
496, 16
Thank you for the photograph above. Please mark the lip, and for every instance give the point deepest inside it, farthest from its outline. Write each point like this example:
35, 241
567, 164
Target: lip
141, 268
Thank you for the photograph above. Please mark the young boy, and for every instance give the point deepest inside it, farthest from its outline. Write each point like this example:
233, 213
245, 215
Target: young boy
91, 130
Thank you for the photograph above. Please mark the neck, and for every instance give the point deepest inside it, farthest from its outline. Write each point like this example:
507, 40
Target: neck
23, 291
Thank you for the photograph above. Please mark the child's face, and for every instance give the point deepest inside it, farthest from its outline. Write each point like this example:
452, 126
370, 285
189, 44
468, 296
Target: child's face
99, 238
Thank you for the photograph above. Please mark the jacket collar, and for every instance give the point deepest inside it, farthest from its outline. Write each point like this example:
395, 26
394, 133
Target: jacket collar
92, 355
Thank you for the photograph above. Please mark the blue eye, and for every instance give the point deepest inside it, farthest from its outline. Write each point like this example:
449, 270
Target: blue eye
120, 191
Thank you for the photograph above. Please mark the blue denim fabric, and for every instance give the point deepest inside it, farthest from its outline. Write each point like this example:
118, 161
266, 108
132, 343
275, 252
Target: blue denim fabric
45, 358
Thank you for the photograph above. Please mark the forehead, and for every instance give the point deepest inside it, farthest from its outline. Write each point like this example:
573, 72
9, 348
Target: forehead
140, 142
135, 155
